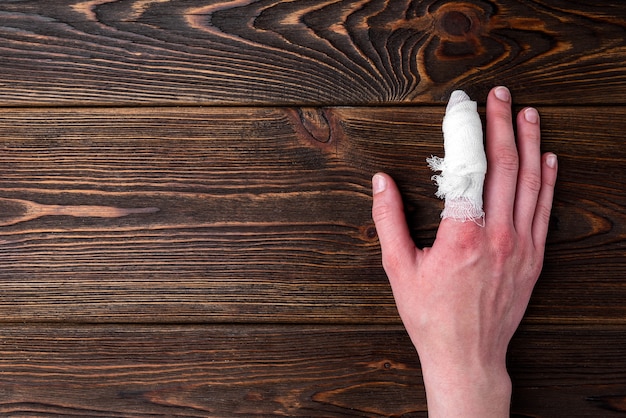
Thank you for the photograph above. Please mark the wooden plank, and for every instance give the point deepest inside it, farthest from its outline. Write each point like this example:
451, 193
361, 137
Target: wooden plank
263, 214
197, 371
316, 52
573, 371
240, 370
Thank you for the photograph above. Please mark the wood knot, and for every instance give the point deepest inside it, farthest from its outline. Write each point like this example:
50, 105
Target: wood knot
369, 232
459, 22
316, 124
456, 23
319, 128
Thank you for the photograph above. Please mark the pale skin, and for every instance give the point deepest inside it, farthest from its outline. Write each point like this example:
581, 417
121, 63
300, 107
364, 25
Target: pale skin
462, 299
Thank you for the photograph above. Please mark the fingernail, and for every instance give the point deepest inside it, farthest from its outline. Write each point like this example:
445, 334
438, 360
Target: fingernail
503, 94
531, 115
379, 184
551, 161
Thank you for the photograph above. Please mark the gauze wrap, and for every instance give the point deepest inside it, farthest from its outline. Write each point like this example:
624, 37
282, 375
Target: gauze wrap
464, 165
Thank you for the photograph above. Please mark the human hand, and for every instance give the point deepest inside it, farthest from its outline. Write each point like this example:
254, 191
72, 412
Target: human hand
462, 299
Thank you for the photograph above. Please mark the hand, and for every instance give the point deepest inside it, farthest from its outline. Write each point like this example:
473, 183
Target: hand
462, 299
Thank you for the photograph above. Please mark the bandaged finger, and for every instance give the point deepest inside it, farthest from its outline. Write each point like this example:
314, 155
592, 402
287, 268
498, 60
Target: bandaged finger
464, 165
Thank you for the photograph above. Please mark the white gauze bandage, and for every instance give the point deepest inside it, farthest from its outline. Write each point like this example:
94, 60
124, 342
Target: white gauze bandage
464, 165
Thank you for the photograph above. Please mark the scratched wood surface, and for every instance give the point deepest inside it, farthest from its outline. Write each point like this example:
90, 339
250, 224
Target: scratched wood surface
185, 222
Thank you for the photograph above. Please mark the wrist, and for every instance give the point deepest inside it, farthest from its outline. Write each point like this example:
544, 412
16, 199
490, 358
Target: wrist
468, 392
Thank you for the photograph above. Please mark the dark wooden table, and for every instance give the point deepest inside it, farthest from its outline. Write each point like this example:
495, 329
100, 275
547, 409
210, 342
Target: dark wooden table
185, 224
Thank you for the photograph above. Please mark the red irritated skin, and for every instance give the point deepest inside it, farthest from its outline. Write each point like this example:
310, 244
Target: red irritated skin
462, 299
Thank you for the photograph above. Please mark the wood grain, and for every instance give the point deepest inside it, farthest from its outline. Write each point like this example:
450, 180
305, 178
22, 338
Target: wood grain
543, 358
263, 214
188, 261
315, 52
241, 370
200, 371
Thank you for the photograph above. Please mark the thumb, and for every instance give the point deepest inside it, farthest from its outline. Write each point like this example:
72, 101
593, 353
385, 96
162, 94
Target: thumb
398, 249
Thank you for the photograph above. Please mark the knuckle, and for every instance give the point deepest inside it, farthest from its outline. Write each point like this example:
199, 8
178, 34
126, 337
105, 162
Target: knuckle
507, 162
381, 211
395, 262
543, 216
469, 237
531, 181
504, 114
533, 135
391, 263
503, 244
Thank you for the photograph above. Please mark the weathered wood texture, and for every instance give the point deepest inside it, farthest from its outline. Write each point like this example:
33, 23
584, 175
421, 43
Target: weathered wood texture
308, 371
309, 52
264, 214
